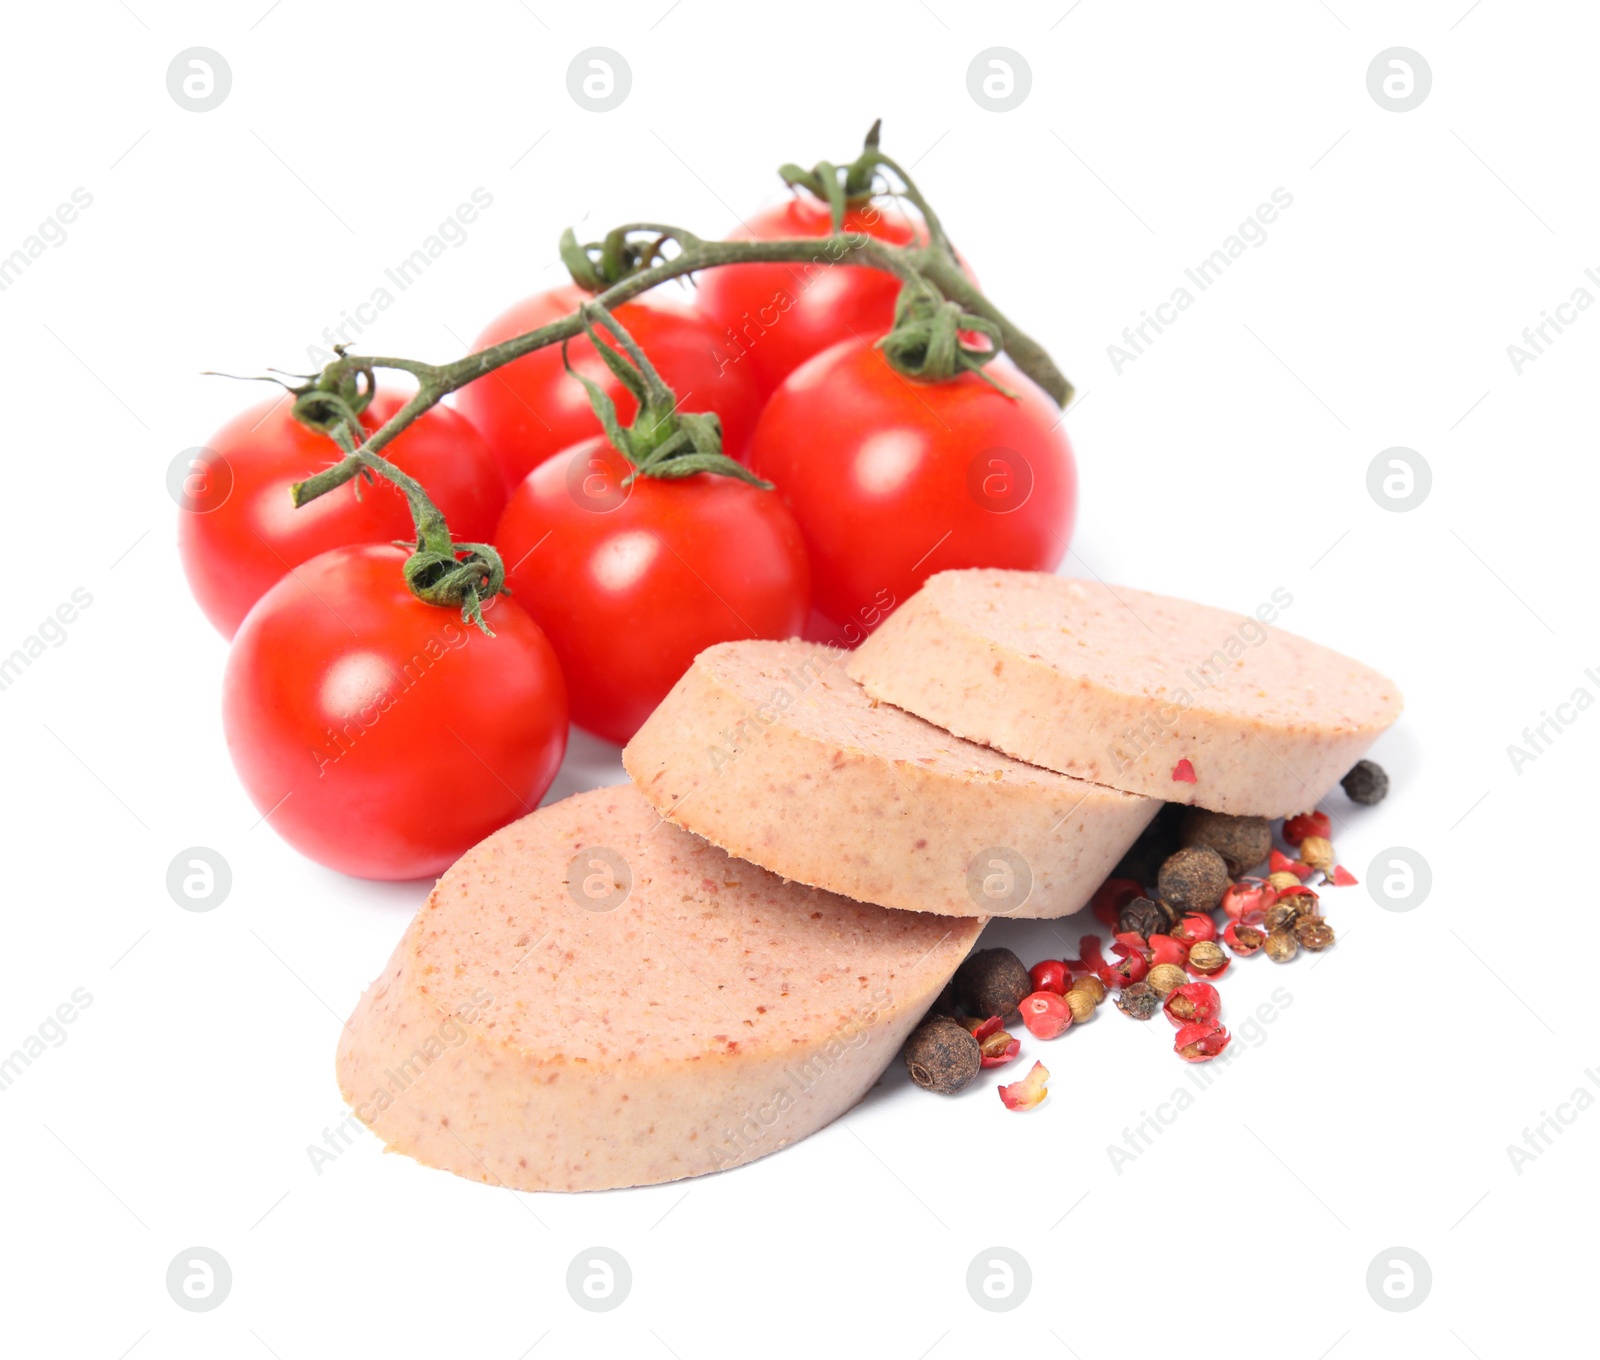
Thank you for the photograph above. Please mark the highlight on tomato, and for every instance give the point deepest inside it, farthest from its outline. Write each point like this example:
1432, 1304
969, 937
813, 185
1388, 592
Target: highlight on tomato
383, 736
892, 478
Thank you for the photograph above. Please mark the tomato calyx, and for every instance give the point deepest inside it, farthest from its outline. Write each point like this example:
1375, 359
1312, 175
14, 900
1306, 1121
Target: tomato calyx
598, 265
662, 441
928, 340
859, 183
439, 571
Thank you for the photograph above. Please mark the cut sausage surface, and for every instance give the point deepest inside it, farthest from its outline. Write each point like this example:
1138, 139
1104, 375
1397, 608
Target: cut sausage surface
771, 750
595, 998
1120, 686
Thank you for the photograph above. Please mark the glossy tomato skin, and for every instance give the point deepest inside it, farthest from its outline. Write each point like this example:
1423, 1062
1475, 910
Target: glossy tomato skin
631, 585
778, 315
243, 533
533, 408
382, 736
893, 479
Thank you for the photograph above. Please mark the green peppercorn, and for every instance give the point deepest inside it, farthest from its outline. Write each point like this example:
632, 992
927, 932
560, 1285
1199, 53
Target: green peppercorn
1193, 879
992, 982
1139, 1000
942, 1056
1367, 783
1243, 842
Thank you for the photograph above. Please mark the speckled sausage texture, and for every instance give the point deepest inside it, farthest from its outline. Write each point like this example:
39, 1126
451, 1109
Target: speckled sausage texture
1119, 686
594, 998
771, 751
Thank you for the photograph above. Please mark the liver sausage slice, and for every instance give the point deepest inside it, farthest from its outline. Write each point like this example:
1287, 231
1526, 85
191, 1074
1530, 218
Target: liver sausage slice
771, 751
1120, 686
593, 998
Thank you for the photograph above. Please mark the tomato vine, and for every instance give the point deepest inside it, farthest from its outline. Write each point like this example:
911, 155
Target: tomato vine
939, 305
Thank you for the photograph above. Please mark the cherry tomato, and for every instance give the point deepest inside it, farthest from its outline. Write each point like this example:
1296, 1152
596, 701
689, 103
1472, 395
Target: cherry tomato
631, 583
893, 480
778, 315
239, 533
533, 408
382, 736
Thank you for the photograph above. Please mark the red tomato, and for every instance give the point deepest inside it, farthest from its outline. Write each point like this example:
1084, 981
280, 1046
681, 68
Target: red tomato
779, 315
631, 583
533, 408
893, 480
243, 533
382, 736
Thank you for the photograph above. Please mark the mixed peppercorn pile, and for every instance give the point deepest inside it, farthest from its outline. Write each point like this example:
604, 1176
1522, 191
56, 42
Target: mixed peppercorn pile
1167, 949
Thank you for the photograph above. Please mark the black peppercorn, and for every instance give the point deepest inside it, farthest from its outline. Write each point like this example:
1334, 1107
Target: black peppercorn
1193, 879
1139, 999
1146, 917
942, 1056
1243, 842
992, 982
1366, 783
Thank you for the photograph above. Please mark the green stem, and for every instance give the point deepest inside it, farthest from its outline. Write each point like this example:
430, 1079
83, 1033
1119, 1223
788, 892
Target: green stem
438, 380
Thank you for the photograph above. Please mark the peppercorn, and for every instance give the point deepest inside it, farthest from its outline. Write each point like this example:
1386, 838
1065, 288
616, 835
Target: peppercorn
1166, 949
1317, 851
1200, 1043
1090, 986
1247, 899
992, 982
1366, 783
998, 1048
1313, 933
1081, 1004
1046, 1014
1278, 863
1166, 976
1303, 824
1243, 940
1207, 959
1283, 879
942, 1056
1195, 1003
1139, 1000
1194, 927
1145, 917
1193, 879
1050, 975
1281, 915
1127, 970
1157, 841
1281, 946
1109, 898
1243, 842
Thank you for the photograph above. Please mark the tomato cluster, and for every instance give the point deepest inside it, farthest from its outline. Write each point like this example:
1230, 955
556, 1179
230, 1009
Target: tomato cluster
383, 736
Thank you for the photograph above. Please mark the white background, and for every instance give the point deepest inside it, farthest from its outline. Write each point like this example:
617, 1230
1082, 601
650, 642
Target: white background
1231, 458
